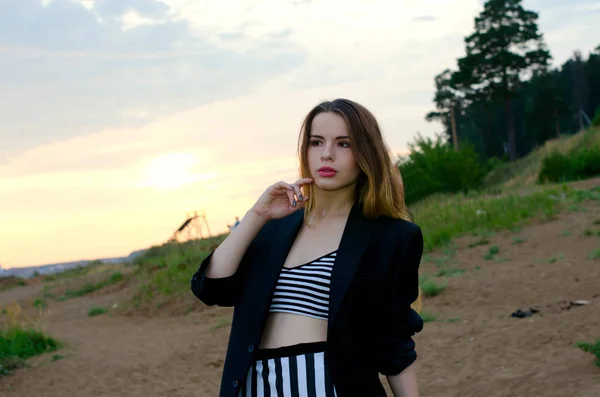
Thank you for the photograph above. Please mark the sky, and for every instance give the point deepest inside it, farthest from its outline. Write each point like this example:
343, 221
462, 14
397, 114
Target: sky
119, 117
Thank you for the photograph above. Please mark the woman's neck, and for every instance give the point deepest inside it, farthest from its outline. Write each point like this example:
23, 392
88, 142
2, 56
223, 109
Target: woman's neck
333, 203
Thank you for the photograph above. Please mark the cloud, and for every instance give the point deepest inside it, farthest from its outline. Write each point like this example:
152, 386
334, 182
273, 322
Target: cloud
118, 116
425, 18
70, 70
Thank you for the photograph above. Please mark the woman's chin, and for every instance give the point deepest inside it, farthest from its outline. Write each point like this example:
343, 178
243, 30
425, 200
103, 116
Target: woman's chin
327, 184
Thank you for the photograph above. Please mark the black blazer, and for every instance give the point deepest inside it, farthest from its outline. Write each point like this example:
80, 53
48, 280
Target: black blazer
373, 284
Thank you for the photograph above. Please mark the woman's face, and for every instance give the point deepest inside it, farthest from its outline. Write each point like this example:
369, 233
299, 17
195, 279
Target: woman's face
330, 159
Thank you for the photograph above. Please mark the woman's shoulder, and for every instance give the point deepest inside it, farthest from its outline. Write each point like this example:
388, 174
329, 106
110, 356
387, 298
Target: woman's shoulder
400, 227
274, 227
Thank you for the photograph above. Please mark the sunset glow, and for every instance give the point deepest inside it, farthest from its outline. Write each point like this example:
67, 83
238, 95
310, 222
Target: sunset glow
132, 114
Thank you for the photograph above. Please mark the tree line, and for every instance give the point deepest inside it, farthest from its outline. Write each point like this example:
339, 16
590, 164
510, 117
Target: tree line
503, 98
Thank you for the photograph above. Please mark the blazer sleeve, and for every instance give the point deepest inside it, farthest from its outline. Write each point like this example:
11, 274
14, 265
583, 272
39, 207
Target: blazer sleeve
400, 321
222, 291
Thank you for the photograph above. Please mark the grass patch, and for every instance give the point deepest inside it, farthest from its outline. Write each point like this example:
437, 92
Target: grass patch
221, 322
577, 208
11, 282
167, 269
595, 254
526, 170
96, 311
21, 339
18, 344
428, 317
554, 258
593, 348
444, 218
481, 241
492, 252
566, 233
518, 240
591, 233
450, 272
448, 254
430, 288
40, 303
68, 274
88, 288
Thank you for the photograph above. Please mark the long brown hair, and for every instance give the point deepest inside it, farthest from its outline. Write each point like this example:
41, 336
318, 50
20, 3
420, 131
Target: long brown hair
379, 189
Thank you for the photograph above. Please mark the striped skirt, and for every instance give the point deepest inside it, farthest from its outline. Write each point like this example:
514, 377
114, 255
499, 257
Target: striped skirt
291, 371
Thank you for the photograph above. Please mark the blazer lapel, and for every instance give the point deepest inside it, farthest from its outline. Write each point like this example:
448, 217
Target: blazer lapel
355, 239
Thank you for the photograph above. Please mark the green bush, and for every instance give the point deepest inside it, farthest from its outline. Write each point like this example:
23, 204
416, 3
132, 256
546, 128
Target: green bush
18, 344
596, 121
593, 348
579, 164
587, 162
435, 167
556, 167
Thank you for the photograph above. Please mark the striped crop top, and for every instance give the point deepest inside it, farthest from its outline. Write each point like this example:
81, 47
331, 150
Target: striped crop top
304, 289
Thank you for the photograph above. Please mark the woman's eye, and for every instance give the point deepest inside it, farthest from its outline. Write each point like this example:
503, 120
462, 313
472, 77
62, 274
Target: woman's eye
345, 144
314, 143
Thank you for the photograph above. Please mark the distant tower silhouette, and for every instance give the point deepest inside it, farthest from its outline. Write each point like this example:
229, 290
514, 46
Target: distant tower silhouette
195, 227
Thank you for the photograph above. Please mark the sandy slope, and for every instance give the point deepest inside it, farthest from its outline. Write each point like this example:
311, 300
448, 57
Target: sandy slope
483, 351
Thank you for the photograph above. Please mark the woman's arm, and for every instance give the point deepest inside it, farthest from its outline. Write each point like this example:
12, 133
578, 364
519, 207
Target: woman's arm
228, 255
219, 279
277, 201
405, 383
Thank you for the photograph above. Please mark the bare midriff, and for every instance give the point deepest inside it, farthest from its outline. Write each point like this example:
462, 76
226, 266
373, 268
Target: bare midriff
286, 329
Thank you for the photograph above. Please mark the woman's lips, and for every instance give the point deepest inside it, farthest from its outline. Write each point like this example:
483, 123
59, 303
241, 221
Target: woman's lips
326, 172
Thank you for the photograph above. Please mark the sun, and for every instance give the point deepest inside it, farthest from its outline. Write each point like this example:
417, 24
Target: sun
171, 170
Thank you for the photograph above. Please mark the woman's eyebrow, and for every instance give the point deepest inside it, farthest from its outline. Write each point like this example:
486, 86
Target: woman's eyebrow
337, 137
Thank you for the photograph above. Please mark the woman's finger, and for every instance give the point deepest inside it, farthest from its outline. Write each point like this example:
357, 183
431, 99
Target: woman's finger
290, 194
280, 189
298, 192
283, 185
300, 183
304, 181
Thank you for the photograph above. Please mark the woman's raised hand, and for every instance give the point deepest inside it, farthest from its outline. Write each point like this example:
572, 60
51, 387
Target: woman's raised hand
281, 199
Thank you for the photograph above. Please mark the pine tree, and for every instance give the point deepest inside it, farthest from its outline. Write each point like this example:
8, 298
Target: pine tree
447, 102
505, 48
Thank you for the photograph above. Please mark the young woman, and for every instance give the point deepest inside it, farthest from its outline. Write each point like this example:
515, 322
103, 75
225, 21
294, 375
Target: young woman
322, 272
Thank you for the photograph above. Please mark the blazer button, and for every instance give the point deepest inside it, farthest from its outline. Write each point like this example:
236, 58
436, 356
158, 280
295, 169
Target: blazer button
251, 348
235, 383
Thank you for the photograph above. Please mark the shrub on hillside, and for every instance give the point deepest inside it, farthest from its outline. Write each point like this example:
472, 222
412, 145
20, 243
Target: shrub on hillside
435, 167
556, 167
579, 164
596, 121
21, 338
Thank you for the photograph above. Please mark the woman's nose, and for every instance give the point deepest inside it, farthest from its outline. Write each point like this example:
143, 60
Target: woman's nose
326, 155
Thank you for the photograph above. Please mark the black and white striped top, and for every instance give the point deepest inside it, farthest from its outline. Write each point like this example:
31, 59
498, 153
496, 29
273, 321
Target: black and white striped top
304, 289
